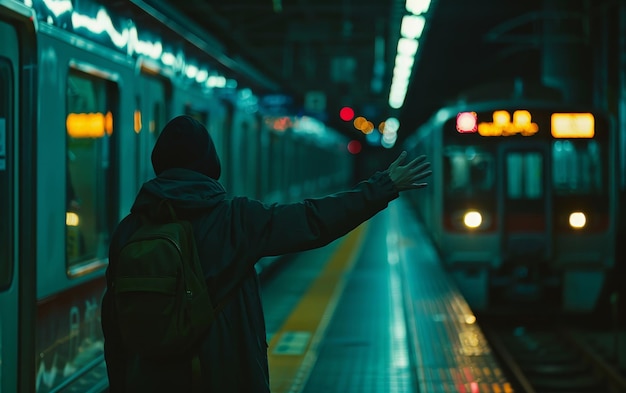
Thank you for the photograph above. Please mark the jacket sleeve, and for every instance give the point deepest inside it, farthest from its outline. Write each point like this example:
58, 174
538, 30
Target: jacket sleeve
315, 222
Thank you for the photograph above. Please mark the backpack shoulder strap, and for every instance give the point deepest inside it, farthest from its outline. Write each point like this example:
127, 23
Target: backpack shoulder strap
166, 212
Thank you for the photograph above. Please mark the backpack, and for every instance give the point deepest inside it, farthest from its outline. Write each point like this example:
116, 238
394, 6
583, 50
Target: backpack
162, 301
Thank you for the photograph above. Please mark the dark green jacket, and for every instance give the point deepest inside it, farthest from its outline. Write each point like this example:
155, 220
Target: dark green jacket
232, 235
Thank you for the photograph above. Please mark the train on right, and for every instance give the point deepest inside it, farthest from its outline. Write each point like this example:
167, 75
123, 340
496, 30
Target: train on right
522, 206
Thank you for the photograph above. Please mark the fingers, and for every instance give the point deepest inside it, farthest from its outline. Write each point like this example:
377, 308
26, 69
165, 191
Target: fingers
411, 164
425, 167
409, 176
418, 165
422, 175
417, 160
398, 160
420, 172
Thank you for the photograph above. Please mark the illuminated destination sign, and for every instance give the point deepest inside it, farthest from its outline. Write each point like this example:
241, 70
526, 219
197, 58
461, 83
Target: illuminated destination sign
572, 125
503, 125
520, 122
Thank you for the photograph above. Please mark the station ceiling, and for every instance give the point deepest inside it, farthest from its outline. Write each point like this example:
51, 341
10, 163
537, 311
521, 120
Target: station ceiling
331, 47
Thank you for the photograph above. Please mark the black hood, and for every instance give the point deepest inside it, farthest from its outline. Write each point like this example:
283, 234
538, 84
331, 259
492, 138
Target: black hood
186, 143
186, 189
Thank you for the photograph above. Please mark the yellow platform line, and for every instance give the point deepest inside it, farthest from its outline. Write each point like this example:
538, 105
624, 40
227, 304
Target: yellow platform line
290, 366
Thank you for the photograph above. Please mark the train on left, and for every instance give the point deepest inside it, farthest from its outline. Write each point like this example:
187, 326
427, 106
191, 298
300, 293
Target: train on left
85, 88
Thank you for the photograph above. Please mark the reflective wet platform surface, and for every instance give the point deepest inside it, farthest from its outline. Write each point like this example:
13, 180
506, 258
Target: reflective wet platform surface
375, 312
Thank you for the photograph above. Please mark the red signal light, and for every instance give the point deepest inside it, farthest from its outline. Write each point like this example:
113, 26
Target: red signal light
354, 147
346, 113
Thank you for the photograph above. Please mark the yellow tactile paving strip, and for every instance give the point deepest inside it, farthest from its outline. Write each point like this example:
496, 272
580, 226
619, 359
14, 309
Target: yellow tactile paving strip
293, 349
314, 351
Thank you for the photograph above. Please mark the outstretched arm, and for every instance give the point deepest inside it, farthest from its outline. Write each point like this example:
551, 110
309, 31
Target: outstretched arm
317, 221
408, 177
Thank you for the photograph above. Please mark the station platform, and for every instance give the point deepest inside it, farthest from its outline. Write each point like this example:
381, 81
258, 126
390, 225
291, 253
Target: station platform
375, 312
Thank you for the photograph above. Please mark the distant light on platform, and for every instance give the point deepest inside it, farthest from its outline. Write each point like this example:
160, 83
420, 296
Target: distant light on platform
354, 147
191, 71
577, 220
466, 122
280, 123
392, 124
346, 113
373, 138
388, 143
202, 76
358, 122
470, 319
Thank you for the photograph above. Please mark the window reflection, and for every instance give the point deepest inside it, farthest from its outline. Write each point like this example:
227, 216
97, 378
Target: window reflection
88, 171
468, 169
577, 167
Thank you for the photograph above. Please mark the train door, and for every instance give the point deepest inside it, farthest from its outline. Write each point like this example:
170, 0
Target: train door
149, 121
17, 259
8, 286
524, 207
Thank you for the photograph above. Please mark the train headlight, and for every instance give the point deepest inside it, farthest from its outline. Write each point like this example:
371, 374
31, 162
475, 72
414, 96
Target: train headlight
472, 219
577, 220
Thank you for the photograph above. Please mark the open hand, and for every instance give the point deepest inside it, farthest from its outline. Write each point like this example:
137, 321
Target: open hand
407, 177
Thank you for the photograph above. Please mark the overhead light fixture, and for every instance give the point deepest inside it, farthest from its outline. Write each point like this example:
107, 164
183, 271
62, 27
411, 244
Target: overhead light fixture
411, 28
417, 7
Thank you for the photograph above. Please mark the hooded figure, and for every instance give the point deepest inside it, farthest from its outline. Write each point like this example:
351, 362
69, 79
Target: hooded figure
185, 143
232, 234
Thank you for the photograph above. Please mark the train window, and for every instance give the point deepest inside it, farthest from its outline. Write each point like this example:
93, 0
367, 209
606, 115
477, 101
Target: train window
577, 167
468, 169
6, 184
150, 120
524, 175
90, 175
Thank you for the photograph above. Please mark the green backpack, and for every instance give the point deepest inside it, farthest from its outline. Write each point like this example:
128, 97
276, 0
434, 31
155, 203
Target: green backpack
161, 297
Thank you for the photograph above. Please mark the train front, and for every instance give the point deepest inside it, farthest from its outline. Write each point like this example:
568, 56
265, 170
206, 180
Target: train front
523, 212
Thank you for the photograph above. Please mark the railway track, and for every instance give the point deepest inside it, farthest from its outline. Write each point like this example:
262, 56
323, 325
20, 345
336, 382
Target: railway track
550, 357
